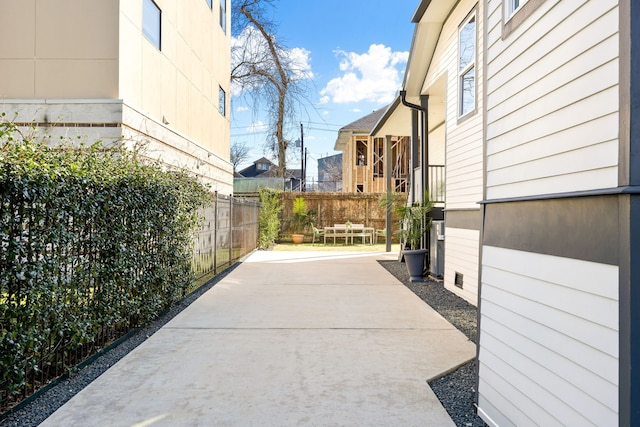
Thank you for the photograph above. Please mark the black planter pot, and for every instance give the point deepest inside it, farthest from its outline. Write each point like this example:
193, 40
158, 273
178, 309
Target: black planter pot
415, 263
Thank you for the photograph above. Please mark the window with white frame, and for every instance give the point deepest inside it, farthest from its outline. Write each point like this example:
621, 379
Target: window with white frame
223, 15
151, 18
222, 99
512, 6
210, 3
467, 66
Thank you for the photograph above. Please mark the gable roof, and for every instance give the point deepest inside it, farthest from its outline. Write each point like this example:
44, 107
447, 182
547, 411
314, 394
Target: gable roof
363, 125
366, 123
272, 172
253, 171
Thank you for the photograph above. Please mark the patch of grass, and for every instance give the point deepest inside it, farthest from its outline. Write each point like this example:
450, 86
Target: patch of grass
321, 247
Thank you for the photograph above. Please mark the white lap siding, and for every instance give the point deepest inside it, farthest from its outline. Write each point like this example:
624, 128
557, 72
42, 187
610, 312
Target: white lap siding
461, 256
552, 100
548, 340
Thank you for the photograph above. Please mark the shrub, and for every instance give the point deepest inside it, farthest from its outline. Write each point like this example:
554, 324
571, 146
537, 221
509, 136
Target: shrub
94, 242
269, 224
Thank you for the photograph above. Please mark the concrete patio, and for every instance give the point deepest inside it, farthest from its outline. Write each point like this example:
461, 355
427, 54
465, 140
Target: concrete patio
286, 339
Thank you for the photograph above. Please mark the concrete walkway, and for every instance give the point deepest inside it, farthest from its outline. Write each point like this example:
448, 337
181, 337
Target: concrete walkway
286, 339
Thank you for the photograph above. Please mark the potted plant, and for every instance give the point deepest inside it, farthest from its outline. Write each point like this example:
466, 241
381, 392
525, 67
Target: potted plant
300, 219
415, 225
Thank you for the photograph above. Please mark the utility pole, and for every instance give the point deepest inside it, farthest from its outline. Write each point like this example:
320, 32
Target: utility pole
306, 151
302, 156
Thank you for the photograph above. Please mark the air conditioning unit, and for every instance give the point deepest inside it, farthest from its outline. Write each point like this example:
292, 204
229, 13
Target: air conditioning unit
436, 249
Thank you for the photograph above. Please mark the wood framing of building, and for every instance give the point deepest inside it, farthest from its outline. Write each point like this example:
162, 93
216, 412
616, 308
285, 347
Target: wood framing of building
363, 159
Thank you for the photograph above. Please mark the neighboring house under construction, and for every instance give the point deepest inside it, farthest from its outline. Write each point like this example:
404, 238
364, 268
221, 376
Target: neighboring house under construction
363, 159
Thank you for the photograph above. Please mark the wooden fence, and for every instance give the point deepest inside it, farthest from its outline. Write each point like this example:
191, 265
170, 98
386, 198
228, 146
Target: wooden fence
335, 208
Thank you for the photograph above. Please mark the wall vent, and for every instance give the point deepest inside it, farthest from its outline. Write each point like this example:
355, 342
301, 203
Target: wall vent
458, 280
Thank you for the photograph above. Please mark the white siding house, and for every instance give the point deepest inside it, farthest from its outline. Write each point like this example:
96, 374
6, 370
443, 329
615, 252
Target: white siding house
553, 85
559, 258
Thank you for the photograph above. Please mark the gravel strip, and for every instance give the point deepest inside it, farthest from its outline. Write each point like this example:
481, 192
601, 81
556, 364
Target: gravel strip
456, 390
47, 402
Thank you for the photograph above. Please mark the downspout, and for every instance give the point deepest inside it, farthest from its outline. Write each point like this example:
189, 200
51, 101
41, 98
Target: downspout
423, 108
423, 112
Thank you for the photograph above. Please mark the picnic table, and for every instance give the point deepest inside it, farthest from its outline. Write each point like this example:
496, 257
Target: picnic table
347, 232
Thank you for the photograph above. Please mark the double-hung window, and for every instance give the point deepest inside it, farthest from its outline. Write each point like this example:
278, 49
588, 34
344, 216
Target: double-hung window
467, 66
151, 19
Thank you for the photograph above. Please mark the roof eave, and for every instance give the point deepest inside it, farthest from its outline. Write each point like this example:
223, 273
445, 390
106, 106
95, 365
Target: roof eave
429, 19
386, 116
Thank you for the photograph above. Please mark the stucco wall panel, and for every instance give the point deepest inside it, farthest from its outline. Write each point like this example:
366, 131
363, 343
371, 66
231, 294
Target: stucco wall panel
76, 78
77, 29
17, 29
21, 75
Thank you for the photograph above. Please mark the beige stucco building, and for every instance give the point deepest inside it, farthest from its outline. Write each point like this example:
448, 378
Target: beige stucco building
147, 72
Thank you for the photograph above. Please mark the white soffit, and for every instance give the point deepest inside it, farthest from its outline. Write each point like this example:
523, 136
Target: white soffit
395, 122
423, 45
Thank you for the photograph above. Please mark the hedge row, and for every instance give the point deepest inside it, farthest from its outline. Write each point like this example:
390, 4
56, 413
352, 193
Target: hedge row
94, 242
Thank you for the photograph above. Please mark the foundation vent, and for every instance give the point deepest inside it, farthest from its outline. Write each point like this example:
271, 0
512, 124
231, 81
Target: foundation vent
458, 280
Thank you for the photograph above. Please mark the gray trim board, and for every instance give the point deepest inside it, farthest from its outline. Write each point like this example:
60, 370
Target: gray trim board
624, 323
633, 303
624, 92
629, 94
624, 283
485, 32
629, 242
633, 149
586, 193
584, 228
466, 219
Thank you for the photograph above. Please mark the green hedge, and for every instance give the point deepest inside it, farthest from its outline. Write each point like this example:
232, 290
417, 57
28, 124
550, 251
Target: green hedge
94, 242
269, 223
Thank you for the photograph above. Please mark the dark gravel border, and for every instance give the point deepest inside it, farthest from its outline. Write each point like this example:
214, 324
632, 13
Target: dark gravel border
456, 390
42, 404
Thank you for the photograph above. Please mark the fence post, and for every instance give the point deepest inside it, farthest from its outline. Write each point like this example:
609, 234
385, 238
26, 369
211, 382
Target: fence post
230, 228
215, 232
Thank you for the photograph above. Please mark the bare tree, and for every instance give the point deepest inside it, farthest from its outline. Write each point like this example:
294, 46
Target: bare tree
239, 153
263, 68
331, 174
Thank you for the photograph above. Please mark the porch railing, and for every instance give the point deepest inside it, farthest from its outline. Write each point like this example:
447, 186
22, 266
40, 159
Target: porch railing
436, 180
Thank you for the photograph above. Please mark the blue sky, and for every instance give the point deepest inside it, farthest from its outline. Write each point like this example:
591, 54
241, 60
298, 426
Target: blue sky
355, 51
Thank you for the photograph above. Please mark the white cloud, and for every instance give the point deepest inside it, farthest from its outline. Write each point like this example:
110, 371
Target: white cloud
242, 109
373, 76
250, 47
300, 63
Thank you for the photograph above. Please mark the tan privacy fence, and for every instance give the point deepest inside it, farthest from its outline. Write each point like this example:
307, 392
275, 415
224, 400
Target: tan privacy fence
338, 208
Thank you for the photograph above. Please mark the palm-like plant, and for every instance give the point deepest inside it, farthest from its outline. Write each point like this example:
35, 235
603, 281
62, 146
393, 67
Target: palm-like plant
415, 222
301, 218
